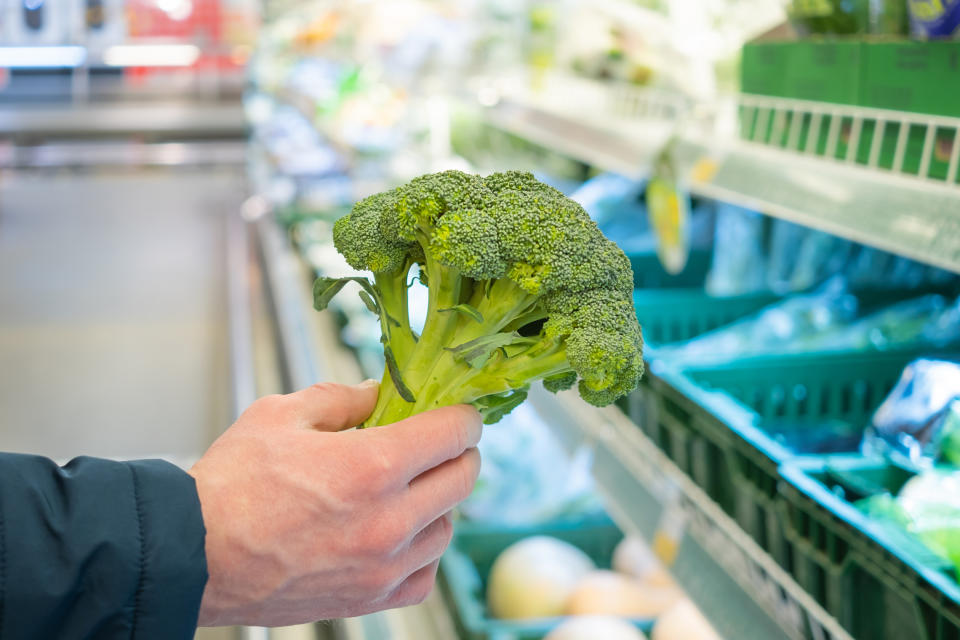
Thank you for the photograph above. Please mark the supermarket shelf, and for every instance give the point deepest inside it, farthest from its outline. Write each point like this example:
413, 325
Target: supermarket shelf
156, 117
123, 154
905, 216
599, 147
740, 589
427, 621
309, 348
823, 187
559, 112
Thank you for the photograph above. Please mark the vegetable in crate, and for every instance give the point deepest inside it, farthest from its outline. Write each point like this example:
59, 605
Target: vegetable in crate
595, 627
928, 506
920, 419
535, 577
522, 287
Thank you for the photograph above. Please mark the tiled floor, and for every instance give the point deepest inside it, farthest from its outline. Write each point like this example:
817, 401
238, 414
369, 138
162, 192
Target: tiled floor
113, 325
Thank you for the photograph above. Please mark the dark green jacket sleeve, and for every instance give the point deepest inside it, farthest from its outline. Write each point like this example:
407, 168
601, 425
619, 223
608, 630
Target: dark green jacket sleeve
99, 549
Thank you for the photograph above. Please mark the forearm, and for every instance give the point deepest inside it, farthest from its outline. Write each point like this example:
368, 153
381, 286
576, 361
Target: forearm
97, 548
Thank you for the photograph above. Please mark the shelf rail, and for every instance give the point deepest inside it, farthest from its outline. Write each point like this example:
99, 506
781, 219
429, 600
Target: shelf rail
743, 592
913, 145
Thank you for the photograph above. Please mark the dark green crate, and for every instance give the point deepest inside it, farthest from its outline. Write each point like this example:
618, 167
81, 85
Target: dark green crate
648, 272
466, 564
877, 580
716, 422
672, 315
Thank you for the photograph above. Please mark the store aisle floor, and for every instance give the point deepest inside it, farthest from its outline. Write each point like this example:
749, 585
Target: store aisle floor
113, 322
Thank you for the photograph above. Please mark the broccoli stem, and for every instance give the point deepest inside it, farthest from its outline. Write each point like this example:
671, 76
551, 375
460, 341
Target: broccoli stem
499, 306
393, 297
444, 292
501, 374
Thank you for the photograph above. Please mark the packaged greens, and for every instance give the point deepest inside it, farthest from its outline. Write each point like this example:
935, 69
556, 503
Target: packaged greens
927, 506
791, 325
739, 259
919, 419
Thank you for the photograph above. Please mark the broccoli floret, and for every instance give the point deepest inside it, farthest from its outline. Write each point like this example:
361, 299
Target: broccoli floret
522, 287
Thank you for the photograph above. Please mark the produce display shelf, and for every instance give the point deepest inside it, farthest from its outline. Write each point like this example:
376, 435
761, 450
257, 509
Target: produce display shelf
842, 181
737, 586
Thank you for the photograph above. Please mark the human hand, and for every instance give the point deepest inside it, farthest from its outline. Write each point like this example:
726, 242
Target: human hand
305, 523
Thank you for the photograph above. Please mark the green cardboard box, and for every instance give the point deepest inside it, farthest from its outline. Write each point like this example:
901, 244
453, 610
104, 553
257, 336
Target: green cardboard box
821, 70
922, 77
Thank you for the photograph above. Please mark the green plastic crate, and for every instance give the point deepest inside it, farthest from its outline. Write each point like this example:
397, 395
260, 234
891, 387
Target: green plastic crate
673, 315
717, 421
648, 272
877, 580
466, 564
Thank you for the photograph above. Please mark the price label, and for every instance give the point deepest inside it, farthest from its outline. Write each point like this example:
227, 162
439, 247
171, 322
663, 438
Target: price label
670, 530
704, 170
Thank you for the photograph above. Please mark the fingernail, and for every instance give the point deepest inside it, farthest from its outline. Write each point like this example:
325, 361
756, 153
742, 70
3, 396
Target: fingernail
369, 383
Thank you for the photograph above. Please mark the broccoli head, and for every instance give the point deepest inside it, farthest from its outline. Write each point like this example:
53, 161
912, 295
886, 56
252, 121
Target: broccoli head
522, 285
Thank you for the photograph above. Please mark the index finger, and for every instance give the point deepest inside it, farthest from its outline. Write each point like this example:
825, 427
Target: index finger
423, 441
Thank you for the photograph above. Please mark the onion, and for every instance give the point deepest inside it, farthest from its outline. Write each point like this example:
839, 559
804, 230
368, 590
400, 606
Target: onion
683, 621
609, 593
595, 628
535, 577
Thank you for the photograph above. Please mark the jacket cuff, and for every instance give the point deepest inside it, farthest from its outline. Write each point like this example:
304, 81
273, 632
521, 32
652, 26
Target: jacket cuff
173, 561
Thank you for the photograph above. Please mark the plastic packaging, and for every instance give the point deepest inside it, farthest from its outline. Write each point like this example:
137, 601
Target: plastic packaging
934, 18
928, 506
739, 261
928, 320
788, 325
919, 419
847, 17
521, 483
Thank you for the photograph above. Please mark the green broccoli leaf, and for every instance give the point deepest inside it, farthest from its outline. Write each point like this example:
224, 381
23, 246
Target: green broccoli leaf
467, 310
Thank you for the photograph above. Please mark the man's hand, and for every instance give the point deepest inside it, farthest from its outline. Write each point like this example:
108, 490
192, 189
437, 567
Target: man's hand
305, 523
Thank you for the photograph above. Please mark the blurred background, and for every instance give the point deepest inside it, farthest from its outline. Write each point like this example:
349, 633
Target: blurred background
784, 176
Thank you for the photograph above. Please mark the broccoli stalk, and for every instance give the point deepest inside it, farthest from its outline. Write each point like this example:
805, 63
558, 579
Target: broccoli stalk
522, 287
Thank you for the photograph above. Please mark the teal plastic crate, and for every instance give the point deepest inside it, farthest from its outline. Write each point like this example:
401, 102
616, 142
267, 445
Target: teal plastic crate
648, 271
877, 580
730, 426
466, 564
673, 315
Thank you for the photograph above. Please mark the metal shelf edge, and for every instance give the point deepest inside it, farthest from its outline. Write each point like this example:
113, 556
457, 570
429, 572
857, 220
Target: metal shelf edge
743, 592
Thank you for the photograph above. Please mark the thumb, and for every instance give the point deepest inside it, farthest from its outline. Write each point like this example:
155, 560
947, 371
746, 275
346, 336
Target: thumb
334, 407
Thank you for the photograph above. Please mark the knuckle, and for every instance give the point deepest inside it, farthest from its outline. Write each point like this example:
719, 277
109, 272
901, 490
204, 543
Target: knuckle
445, 533
467, 476
325, 387
420, 591
270, 404
381, 467
415, 590
379, 581
387, 535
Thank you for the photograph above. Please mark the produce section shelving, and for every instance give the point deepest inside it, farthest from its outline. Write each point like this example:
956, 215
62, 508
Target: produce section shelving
738, 587
883, 178
782, 168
